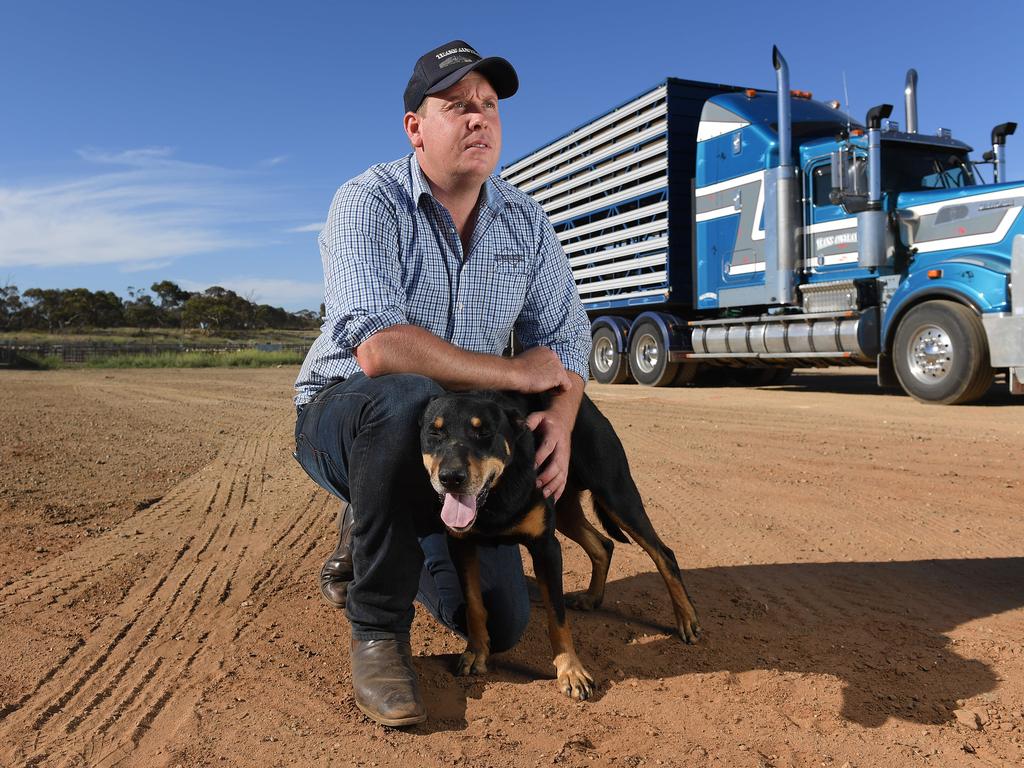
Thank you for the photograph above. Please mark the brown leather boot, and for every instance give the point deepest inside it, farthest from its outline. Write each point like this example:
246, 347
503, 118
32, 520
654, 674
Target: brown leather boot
337, 570
385, 683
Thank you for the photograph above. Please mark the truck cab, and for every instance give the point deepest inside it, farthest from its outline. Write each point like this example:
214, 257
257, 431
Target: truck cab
711, 227
903, 258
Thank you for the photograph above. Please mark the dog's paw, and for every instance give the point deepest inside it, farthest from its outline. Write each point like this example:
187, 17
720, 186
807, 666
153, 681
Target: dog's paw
689, 629
573, 680
582, 601
471, 663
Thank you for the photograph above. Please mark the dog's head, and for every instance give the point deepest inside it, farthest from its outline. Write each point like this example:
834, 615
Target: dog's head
468, 440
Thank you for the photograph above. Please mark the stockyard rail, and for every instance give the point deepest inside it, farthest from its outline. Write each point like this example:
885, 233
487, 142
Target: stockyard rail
81, 353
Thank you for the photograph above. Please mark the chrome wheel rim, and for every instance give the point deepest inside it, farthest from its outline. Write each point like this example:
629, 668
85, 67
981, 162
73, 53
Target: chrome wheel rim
604, 354
647, 353
930, 356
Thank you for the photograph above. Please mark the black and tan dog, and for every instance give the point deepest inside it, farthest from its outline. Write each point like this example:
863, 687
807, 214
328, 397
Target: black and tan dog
480, 456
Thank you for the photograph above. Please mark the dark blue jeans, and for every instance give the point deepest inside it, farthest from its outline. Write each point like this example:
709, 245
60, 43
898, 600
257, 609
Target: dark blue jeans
359, 440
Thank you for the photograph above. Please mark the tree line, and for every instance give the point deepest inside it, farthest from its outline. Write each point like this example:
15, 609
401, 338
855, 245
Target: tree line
163, 305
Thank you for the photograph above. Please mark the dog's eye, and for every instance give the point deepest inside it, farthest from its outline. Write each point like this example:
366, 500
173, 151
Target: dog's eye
485, 434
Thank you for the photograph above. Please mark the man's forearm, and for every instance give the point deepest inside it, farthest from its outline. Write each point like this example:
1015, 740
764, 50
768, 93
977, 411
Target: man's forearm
411, 349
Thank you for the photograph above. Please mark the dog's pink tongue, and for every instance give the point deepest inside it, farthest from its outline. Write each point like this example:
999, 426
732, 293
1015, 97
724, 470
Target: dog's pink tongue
458, 511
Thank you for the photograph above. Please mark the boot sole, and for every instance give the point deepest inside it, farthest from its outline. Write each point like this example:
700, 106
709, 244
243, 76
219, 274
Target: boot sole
393, 722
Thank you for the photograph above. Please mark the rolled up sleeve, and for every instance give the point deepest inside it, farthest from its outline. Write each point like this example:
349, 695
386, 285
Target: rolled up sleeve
363, 292
553, 314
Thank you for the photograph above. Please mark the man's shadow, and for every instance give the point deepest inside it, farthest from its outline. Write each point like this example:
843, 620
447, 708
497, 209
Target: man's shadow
878, 626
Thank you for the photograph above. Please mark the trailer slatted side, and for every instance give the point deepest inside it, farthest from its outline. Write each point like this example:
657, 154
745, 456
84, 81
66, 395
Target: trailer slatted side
604, 187
610, 190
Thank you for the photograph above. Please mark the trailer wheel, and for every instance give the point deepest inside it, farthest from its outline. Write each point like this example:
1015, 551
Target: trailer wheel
648, 357
941, 354
607, 364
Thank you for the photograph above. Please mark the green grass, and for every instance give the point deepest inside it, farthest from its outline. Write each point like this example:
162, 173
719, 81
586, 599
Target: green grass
157, 336
240, 359
38, 362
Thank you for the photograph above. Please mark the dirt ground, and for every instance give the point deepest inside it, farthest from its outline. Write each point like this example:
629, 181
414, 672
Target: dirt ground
856, 559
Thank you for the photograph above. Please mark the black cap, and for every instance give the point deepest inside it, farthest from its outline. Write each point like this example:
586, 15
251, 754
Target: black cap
444, 66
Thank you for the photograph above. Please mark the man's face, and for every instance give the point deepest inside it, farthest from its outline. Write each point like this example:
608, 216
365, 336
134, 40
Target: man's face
457, 132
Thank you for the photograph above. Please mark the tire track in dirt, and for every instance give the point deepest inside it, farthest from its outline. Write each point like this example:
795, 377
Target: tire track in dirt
301, 526
219, 508
112, 666
160, 682
158, 687
69, 691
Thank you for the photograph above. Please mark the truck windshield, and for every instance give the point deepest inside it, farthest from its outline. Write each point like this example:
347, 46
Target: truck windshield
907, 168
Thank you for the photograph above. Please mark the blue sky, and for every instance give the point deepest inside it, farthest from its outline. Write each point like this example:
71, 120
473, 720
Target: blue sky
202, 141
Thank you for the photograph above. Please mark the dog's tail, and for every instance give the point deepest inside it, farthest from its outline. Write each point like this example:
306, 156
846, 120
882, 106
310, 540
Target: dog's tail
607, 522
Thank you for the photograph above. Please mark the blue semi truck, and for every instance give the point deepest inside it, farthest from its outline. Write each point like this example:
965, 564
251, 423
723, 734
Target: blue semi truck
713, 227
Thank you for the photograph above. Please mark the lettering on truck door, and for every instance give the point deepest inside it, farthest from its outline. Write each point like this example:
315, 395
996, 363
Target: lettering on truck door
830, 241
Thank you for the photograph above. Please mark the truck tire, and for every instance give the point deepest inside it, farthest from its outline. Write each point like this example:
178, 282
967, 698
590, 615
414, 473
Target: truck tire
941, 354
607, 364
648, 357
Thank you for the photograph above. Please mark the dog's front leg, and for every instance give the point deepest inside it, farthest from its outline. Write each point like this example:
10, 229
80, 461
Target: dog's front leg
473, 660
573, 679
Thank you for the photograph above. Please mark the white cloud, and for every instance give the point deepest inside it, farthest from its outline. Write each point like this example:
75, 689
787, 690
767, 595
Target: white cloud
278, 292
316, 226
146, 208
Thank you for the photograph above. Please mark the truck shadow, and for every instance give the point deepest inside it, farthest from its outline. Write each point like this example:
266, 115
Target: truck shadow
879, 627
866, 384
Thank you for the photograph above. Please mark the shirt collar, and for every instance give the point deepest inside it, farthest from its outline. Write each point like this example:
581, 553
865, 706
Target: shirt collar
420, 187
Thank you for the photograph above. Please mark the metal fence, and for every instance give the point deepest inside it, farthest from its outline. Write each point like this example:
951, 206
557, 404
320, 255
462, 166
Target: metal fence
81, 352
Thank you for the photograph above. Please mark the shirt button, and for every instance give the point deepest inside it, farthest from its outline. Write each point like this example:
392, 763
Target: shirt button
460, 306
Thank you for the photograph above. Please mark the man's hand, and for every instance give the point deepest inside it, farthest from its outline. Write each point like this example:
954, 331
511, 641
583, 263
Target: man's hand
554, 440
540, 370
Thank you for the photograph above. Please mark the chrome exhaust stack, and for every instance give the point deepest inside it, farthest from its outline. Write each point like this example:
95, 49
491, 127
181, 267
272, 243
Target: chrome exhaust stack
999, 134
910, 100
873, 232
787, 195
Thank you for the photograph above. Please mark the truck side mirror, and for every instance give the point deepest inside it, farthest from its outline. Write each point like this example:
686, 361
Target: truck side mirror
849, 181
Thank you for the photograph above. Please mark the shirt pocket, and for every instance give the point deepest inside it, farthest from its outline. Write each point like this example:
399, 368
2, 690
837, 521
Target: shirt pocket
507, 282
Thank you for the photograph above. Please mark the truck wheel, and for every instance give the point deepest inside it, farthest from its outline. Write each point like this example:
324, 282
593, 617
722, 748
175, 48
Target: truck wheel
648, 357
941, 354
607, 364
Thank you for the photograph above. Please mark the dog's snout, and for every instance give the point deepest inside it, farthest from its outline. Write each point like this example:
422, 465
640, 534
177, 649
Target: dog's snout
452, 477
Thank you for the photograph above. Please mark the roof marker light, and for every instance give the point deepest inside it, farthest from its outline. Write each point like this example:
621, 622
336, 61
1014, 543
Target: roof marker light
751, 93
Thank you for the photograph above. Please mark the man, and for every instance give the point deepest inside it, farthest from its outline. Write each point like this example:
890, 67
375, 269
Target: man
429, 263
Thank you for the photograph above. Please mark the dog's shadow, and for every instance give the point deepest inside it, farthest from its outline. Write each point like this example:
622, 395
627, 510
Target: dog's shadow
880, 627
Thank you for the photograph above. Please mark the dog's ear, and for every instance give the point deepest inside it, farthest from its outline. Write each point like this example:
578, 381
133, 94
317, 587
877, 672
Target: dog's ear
423, 413
517, 419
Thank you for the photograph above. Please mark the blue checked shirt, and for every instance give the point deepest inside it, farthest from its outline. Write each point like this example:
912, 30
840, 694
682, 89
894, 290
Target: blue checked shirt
392, 255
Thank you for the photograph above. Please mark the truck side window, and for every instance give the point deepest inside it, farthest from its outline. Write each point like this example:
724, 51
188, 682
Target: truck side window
822, 180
